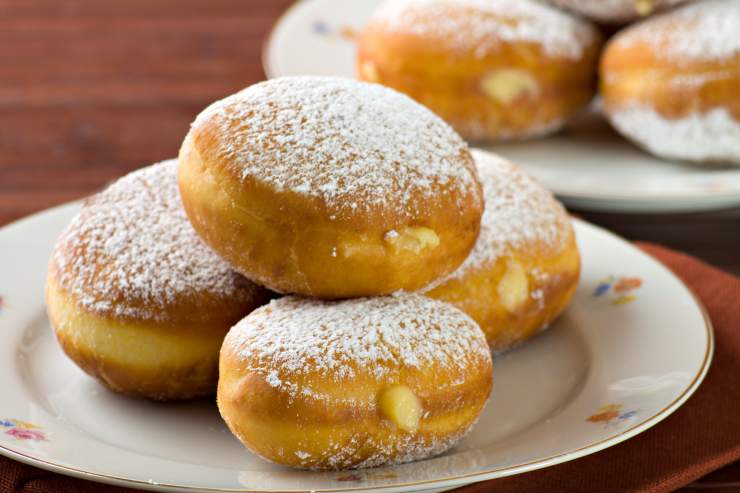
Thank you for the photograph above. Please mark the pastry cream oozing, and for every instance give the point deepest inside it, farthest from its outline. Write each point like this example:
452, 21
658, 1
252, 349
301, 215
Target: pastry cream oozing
513, 289
400, 405
643, 7
413, 239
506, 85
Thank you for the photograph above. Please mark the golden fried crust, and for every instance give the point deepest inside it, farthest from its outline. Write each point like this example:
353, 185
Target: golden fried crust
634, 73
524, 267
319, 419
300, 243
136, 298
132, 255
156, 360
189, 312
670, 83
332, 431
551, 281
512, 90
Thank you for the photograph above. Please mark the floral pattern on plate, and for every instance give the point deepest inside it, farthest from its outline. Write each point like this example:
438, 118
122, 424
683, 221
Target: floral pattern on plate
619, 290
323, 28
610, 414
22, 430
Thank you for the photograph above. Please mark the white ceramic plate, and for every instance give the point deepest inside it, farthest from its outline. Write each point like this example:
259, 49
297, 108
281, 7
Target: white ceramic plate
589, 166
630, 350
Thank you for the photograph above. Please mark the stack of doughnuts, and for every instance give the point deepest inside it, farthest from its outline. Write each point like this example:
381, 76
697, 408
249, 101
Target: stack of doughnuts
396, 260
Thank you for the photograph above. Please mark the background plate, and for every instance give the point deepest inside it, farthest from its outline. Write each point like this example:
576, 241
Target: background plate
616, 363
588, 166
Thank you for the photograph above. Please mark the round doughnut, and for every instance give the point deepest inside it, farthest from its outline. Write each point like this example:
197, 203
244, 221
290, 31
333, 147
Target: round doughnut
525, 266
136, 299
671, 83
616, 11
357, 383
493, 69
330, 187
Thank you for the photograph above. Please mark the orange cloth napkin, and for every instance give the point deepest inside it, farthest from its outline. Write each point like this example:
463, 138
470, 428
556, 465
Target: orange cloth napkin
701, 436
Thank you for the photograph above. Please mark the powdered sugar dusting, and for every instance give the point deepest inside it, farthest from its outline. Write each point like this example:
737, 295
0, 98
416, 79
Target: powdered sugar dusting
408, 448
706, 30
303, 339
131, 251
481, 26
615, 11
297, 336
711, 136
518, 212
355, 146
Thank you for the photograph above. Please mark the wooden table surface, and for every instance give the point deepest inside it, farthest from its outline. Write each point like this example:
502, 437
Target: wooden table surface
91, 89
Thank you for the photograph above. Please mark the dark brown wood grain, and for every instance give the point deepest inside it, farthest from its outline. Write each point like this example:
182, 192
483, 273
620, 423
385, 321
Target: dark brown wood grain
90, 89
